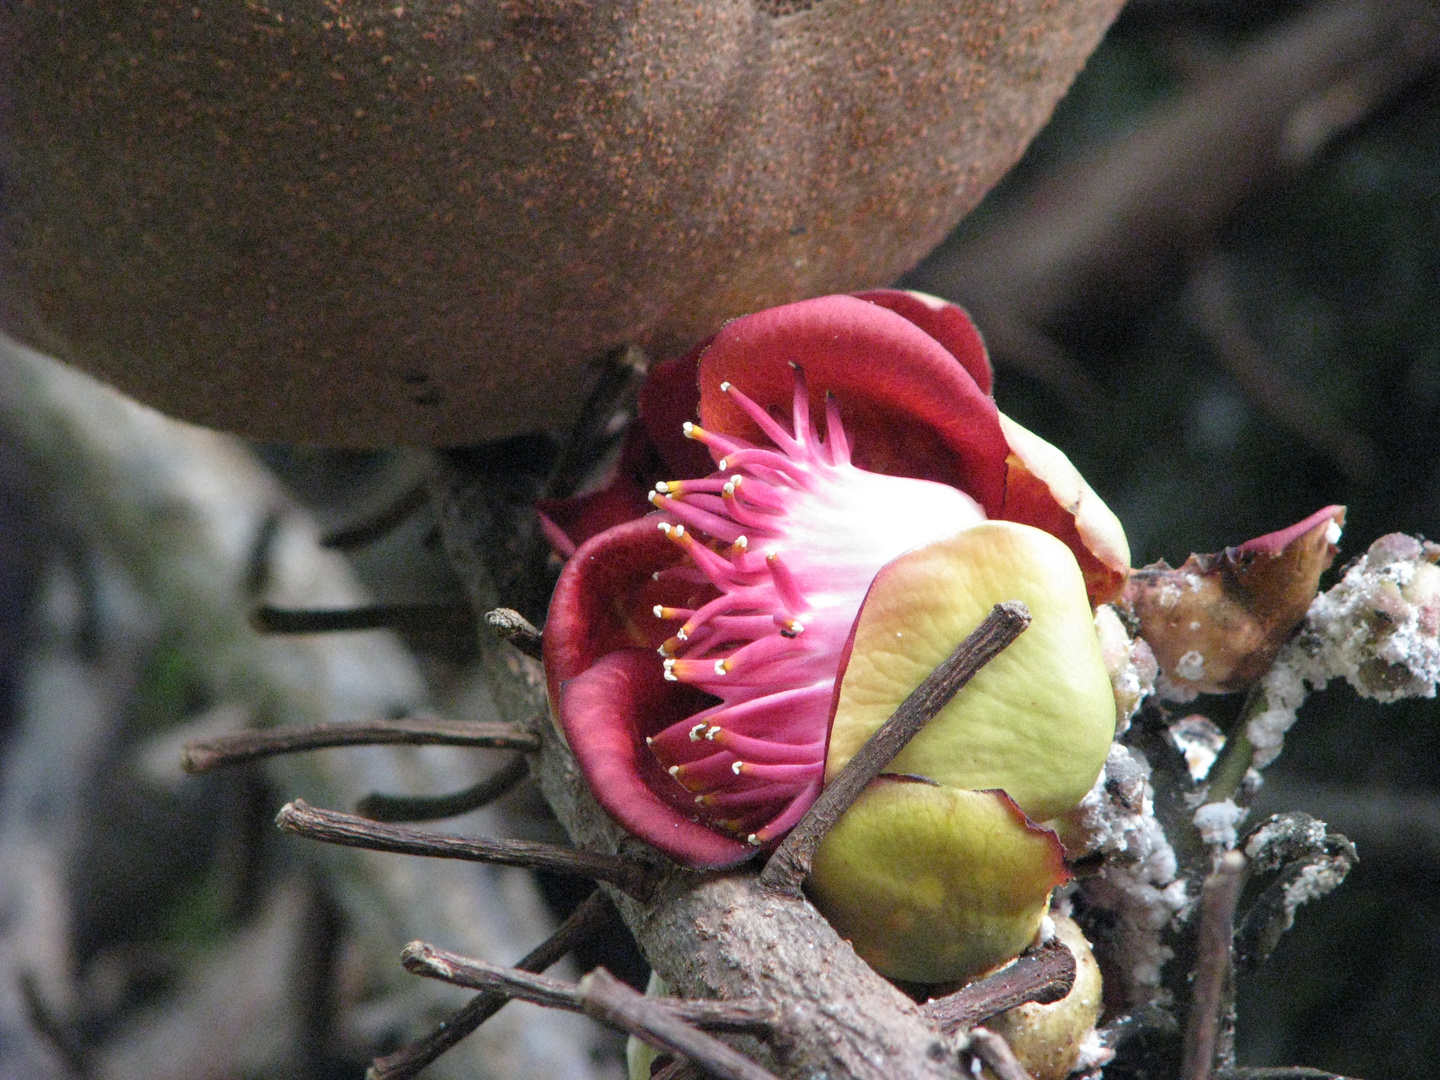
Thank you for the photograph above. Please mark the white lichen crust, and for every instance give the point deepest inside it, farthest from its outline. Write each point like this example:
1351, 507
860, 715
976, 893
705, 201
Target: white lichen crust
1379, 629
1139, 883
1216, 822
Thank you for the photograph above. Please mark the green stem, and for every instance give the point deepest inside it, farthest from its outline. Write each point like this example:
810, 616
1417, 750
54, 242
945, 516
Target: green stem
1228, 772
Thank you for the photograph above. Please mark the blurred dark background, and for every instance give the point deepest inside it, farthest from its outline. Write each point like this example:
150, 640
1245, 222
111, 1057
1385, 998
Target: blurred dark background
1214, 280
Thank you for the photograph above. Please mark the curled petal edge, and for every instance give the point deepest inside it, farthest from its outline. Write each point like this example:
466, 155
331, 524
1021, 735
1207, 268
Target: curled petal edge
603, 598
603, 712
1043, 488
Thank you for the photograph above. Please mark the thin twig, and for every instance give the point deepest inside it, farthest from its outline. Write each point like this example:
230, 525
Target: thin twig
992, 1049
790, 864
425, 617
584, 922
1043, 976
1227, 774
378, 522
421, 958
241, 746
1212, 967
633, 878
615, 390
756, 1017
513, 627
61, 1036
380, 807
607, 999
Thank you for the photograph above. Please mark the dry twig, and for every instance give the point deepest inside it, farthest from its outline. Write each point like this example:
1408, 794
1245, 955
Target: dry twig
513, 627
243, 746
419, 618
584, 922
632, 878
379, 520
754, 1016
607, 999
991, 1048
381, 807
1043, 976
679, 1069
1212, 967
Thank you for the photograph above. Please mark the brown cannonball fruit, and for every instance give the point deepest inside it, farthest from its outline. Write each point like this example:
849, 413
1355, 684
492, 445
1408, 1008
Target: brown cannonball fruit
356, 222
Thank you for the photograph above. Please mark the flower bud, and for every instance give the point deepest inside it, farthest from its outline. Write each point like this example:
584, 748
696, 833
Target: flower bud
940, 872
934, 884
1216, 623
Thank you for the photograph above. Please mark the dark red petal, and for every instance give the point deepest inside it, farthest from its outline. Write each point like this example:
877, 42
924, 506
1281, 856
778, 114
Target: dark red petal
909, 407
604, 713
671, 396
605, 595
947, 323
1276, 542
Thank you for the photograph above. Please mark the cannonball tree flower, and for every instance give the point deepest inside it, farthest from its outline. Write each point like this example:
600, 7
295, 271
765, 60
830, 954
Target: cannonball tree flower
712, 662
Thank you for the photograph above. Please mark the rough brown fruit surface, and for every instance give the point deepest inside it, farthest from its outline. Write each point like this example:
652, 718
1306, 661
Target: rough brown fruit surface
357, 222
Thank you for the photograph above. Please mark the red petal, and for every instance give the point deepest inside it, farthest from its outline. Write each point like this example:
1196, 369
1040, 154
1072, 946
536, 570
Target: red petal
604, 598
947, 323
909, 407
568, 523
605, 712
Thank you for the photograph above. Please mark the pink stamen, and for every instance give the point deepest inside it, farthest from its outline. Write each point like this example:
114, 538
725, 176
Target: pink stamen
785, 586
708, 773
765, 422
835, 439
764, 750
806, 532
721, 444
787, 820
800, 408
731, 801
758, 497
780, 468
778, 773
696, 517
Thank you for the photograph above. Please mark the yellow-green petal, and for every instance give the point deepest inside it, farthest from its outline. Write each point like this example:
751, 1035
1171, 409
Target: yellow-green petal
932, 884
1037, 721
